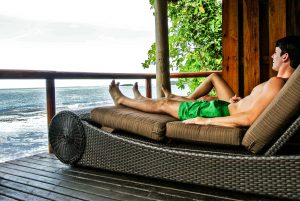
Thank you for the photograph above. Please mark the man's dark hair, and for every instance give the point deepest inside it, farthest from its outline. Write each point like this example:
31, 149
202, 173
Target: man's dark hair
290, 45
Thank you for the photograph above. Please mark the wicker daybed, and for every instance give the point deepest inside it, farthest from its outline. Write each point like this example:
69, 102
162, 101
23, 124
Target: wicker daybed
264, 159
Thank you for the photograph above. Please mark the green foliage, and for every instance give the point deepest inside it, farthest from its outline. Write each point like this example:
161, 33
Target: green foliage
195, 38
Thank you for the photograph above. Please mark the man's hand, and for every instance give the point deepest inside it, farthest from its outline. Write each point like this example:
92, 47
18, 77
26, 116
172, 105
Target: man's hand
234, 99
196, 120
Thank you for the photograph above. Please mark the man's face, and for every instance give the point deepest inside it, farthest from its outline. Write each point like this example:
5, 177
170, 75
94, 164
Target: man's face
277, 59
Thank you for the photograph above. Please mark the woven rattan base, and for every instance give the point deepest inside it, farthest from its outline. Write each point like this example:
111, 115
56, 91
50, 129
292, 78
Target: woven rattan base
277, 176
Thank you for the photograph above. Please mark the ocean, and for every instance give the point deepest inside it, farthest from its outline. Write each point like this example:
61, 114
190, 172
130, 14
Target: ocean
23, 115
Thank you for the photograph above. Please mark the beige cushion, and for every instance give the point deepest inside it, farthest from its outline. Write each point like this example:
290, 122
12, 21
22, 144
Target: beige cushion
276, 117
205, 134
146, 124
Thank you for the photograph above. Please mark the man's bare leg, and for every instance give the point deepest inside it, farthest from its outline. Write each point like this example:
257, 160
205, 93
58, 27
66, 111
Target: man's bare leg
147, 105
168, 95
224, 91
171, 96
137, 94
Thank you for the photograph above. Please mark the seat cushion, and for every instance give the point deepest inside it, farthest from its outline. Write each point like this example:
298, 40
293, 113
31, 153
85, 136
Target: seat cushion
276, 118
205, 134
146, 124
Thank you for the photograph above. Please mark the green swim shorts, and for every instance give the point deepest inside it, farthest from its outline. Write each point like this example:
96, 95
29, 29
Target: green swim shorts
201, 108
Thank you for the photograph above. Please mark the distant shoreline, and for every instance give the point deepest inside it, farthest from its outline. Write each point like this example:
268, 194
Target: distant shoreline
126, 85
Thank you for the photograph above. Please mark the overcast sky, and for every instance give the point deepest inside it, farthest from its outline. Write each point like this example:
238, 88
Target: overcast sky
75, 35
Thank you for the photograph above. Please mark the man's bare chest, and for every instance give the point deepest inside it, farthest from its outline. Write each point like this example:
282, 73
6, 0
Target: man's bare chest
258, 89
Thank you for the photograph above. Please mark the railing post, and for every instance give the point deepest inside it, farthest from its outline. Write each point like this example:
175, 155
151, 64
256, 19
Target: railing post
162, 46
148, 88
50, 92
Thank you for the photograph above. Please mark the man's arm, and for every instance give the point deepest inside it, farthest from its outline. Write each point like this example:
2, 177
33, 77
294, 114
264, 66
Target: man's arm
270, 90
237, 120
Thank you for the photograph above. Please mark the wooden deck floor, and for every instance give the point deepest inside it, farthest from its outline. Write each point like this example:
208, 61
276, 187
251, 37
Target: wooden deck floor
43, 177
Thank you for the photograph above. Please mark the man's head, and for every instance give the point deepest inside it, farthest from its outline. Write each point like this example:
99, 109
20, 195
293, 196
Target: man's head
287, 50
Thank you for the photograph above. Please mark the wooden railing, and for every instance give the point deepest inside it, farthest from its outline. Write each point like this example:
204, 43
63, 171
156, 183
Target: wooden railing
51, 76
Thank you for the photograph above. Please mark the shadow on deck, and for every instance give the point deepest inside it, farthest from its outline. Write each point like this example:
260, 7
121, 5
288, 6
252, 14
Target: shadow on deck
43, 177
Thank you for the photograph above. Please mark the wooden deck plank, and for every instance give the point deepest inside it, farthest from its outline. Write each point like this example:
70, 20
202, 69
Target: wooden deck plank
70, 188
4, 198
117, 184
91, 181
42, 173
33, 165
33, 181
18, 195
126, 180
35, 191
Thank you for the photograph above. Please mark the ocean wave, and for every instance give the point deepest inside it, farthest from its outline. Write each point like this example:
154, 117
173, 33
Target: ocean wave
22, 117
14, 152
34, 123
11, 118
22, 110
21, 144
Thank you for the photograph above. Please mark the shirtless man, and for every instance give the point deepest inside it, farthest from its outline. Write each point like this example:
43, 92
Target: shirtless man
234, 113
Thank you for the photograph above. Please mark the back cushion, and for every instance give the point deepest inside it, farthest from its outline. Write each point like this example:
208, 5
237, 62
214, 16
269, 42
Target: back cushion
277, 116
146, 124
205, 134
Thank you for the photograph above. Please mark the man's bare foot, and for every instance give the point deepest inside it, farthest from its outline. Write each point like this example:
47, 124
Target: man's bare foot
115, 92
137, 94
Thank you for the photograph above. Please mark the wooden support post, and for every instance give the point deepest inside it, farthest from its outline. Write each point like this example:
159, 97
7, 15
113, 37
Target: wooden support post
50, 93
148, 88
230, 42
293, 17
251, 45
162, 46
277, 26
